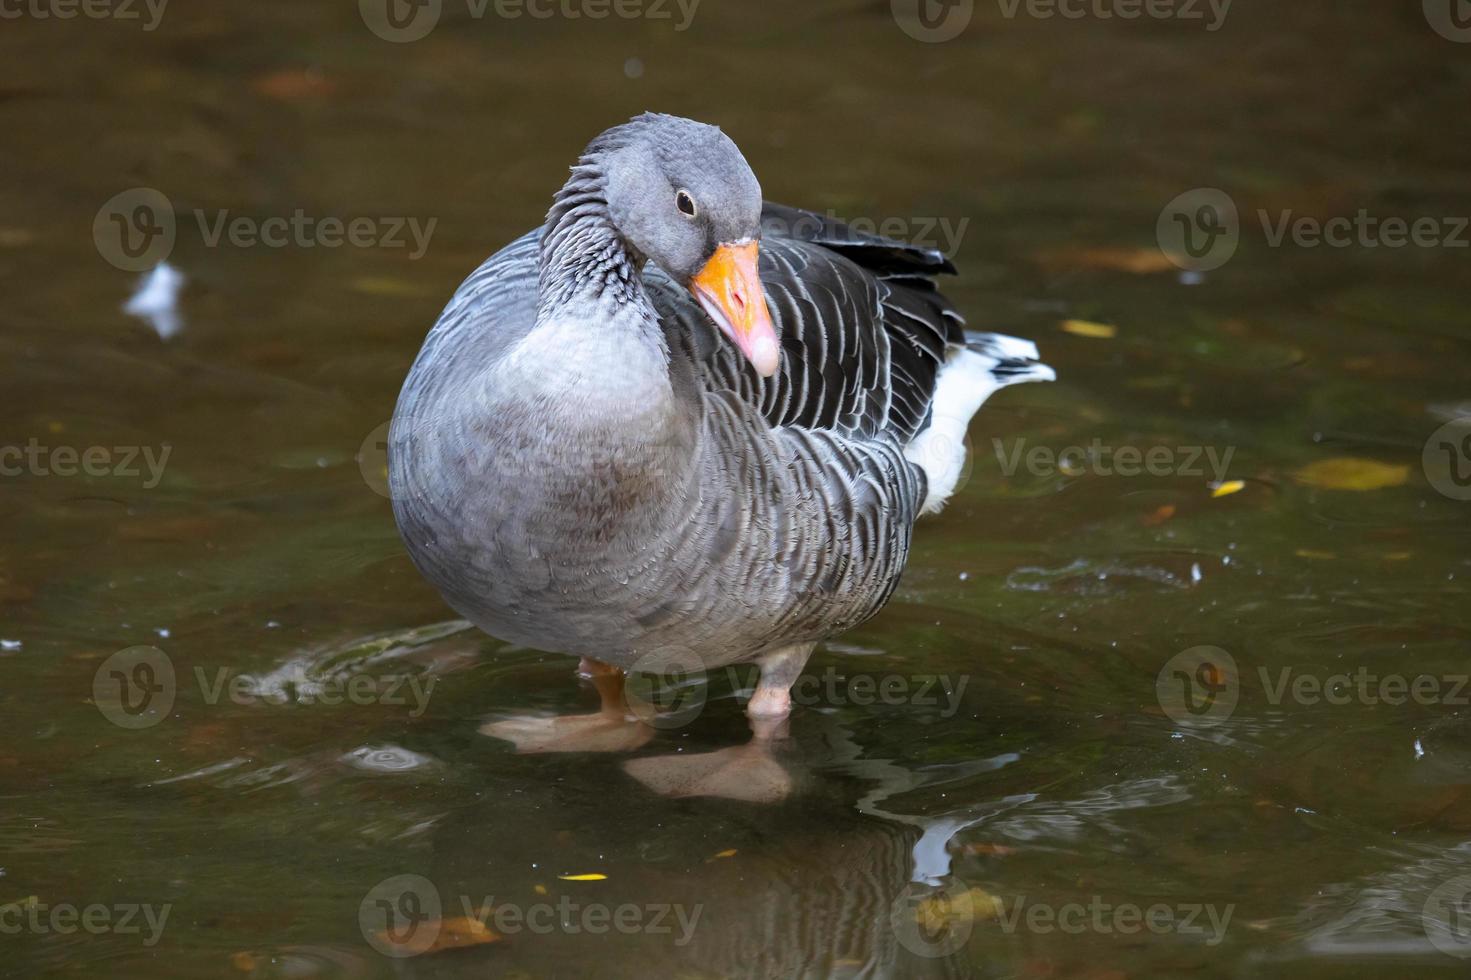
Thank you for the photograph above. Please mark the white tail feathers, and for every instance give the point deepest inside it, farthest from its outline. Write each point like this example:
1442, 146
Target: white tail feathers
971, 374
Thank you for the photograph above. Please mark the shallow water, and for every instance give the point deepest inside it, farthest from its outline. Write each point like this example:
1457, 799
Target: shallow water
1049, 789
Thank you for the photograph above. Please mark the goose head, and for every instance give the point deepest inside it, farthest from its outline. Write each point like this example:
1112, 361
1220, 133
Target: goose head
682, 196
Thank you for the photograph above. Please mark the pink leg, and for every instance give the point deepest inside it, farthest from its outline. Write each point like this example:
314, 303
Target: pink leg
779, 671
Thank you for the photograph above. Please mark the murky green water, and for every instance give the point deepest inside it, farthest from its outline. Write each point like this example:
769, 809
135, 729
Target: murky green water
1079, 824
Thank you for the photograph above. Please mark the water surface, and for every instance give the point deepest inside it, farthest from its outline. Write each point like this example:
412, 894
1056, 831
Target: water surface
1042, 151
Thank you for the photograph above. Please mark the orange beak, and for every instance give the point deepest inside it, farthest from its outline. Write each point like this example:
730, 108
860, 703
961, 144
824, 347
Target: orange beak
729, 288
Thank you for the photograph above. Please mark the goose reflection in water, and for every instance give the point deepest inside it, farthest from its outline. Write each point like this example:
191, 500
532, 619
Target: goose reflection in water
820, 884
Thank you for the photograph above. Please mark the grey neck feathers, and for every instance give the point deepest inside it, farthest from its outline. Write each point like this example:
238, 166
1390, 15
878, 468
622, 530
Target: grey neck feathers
583, 256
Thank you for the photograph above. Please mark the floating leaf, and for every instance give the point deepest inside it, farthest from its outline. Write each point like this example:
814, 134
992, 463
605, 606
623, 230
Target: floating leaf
730, 852
1087, 328
459, 933
292, 84
937, 911
991, 850
586, 877
1228, 488
1352, 473
1159, 516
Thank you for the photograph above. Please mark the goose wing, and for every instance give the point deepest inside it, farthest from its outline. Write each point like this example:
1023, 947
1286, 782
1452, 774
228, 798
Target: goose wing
864, 330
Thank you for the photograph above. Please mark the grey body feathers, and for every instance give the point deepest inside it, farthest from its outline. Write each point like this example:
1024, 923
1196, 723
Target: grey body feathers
599, 488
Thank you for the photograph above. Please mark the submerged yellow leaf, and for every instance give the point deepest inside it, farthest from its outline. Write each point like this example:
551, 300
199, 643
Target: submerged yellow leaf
1310, 553
461, 932
1352, 473
1228, 488
729, 852
937, 911
1087, 328
586, 877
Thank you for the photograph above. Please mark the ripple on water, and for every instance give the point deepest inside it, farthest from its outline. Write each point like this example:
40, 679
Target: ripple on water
387, 758
1084, 577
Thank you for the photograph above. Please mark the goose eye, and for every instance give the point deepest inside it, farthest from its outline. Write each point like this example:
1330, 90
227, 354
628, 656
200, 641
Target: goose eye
685, 203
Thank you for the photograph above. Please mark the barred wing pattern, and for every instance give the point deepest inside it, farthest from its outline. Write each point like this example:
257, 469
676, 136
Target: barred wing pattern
864, 335
864, 331
794, 523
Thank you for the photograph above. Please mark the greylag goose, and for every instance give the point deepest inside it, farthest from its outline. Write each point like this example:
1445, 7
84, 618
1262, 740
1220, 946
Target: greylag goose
676, 421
